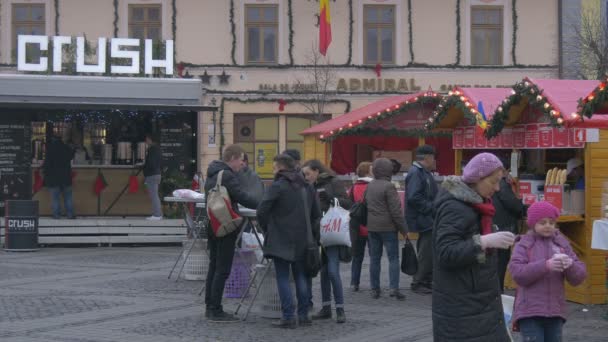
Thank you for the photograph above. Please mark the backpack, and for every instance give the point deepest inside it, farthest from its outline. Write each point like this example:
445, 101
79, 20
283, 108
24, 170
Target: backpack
224, 220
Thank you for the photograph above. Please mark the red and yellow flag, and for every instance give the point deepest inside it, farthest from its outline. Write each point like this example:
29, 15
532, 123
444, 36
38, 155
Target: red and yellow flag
324, 26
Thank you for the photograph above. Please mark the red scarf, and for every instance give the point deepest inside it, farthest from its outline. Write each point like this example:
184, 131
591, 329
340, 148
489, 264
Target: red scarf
487, 211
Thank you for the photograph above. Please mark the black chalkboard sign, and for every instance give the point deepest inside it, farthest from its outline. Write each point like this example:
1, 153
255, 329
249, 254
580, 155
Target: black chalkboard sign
176, 141
15, 161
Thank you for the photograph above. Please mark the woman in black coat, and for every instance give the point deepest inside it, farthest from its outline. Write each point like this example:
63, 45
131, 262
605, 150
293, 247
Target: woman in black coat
282, 216
467, 304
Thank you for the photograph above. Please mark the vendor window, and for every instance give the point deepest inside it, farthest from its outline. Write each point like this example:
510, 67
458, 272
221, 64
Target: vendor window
261, 30
486, 35
28, 19
379, 34
259, 137
145, 22
295, 125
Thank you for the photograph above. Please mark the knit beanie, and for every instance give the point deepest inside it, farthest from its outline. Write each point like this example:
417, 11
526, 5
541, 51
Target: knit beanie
541, 210
481, 166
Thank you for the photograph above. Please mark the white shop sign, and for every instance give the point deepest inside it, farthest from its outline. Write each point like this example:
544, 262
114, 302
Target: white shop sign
116, 51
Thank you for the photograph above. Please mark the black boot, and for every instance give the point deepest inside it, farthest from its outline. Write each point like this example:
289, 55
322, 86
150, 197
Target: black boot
398, 295
324, 313
340, 316
285, 324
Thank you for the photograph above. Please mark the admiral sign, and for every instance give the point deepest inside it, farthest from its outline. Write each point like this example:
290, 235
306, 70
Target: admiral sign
127, 49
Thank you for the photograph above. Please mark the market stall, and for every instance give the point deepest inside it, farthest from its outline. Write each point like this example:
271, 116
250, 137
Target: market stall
105, 120
539, 121
391, 127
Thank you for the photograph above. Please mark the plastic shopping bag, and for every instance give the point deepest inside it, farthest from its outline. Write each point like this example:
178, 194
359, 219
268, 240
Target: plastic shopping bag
335, 226
189, 194
250, 243
507, 307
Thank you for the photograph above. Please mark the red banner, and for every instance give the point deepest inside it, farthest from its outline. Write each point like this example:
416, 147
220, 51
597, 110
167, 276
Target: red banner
519, 136
525, 187
545, 136
480, 138
554, 195
560, 137
532, 136
458, 138
469, 137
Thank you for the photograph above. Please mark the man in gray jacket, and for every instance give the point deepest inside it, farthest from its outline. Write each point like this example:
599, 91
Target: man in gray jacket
421, 191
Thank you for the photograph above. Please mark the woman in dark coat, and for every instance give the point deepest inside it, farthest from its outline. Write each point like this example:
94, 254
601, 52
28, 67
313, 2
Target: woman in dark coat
329, 187
282, 216
467, 304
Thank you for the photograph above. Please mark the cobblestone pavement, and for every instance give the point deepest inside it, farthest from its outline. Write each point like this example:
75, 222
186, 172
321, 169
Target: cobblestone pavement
123, 294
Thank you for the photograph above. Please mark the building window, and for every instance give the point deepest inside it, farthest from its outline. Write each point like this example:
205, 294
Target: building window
295, 125
486, 35
379, 34
259, 137
28, 19
145, 22
261, 30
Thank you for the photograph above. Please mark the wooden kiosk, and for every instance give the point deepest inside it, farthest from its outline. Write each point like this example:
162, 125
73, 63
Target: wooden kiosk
391, 127
540, 117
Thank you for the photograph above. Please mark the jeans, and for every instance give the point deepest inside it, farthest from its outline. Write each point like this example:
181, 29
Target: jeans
56, 193
391, 244
424, 246
541, 329
221, 253
282, 268
152, 183
309, 284
355, 270
330, 278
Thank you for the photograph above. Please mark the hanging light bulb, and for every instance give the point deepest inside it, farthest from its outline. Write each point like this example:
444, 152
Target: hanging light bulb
378, 113
526, 84
431, 120
500, 109
532, 91
513, 92
560, 121
574, 115
462, 98
415, 99
468, 104
340, 129
539, 98
396, 106
321, 136
450, 93
350, 124
457, 93
360, 121
591, 97
331, 132
369, 116
546, 105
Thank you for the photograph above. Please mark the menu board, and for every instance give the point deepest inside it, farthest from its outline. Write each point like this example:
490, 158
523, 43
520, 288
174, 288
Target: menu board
176, 143
15, 161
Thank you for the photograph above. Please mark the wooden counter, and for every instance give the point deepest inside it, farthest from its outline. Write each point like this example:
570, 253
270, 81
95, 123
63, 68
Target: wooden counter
87, 203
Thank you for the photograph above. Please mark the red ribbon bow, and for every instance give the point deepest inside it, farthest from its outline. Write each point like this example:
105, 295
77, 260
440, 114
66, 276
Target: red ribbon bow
282, 104
378, 69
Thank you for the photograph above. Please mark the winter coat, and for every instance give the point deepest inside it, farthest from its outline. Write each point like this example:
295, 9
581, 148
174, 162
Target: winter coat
541, 292
420, 192
152, 162
356, 195
231, 183
509, 208
329, 187
384, 212
281, 215
57, 167
251, 183
466, 293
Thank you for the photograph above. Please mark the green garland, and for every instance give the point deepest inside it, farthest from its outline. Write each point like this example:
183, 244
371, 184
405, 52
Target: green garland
291, 32
458, 52
56, 17
454, 100
393, 132
363, 129
115, 3
262, 99
233, 33
350, 33
411, 33
174, 27
590, 104
521, 90
372, 67
514, 39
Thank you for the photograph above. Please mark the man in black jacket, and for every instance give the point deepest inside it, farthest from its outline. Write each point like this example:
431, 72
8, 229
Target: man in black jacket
221, 249
152, 176
421, 191
57, 170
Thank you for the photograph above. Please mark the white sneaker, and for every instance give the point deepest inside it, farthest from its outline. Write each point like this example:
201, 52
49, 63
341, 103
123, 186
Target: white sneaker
154, 218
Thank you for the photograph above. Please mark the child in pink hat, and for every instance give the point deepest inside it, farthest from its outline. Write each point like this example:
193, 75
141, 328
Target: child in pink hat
542, 259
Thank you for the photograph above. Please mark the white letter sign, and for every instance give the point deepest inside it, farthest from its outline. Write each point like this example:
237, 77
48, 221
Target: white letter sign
43, 42
167, 63
116, 52
58, 43
100, 67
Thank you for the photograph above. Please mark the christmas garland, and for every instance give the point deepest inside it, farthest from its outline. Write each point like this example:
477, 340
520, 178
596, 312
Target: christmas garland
233, 33
262, 99
455, 99
514, 39
56, 17
411, 33
174, 27
458, 52
534, 95
291, 32
393, 132
350, 33
591, 103
363, 129
276, 92
372, 67
115, 2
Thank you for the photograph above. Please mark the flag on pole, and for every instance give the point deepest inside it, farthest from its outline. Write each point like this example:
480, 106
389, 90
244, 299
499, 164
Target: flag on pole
324, 26
481, 110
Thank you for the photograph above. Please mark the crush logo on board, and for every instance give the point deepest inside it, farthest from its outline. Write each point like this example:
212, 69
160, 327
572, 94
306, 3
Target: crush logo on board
124, 49
21, 225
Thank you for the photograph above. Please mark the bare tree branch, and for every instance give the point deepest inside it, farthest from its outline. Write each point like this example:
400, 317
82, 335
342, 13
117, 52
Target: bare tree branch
589, 46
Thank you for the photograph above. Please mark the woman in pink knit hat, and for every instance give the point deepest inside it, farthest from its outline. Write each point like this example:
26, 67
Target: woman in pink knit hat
542, 259
466, 292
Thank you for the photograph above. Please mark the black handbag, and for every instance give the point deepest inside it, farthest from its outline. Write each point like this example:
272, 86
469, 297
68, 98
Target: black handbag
345, 254
409, 261
358, 212
312, 261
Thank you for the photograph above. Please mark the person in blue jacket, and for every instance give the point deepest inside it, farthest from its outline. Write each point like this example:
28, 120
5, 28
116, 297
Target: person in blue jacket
576, 172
